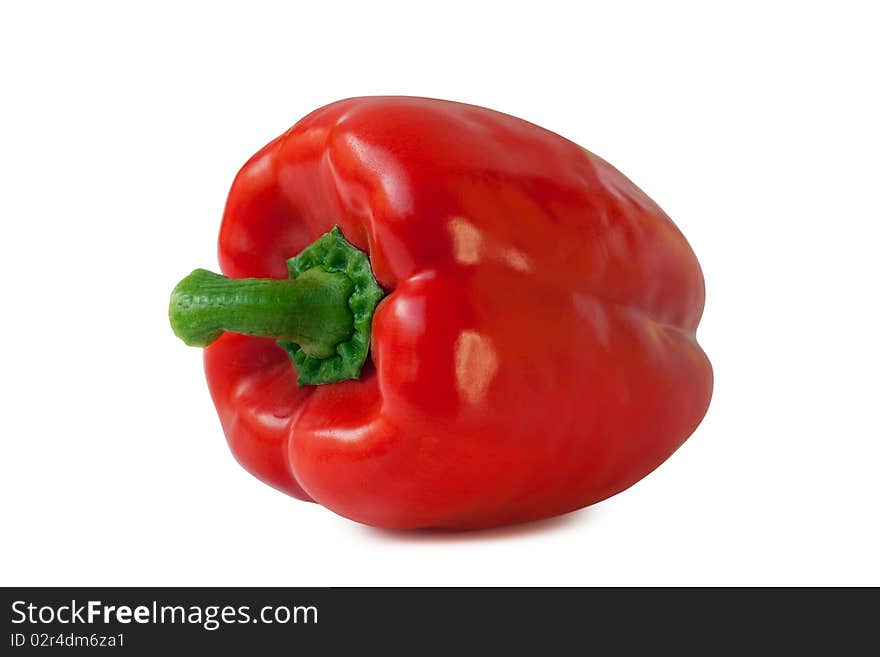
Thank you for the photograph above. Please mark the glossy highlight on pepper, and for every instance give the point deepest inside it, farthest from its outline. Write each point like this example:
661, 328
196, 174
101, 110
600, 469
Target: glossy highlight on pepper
535, 349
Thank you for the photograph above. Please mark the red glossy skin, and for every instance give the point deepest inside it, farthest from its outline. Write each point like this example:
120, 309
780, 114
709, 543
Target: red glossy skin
536, 350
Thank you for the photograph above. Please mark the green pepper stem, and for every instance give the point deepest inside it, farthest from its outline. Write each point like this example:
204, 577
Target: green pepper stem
311, 310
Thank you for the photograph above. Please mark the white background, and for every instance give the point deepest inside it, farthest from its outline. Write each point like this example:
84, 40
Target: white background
756, 128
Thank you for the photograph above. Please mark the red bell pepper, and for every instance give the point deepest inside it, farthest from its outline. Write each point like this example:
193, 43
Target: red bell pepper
535, 348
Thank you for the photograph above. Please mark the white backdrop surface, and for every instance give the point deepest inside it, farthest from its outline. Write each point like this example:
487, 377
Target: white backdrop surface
755, 128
